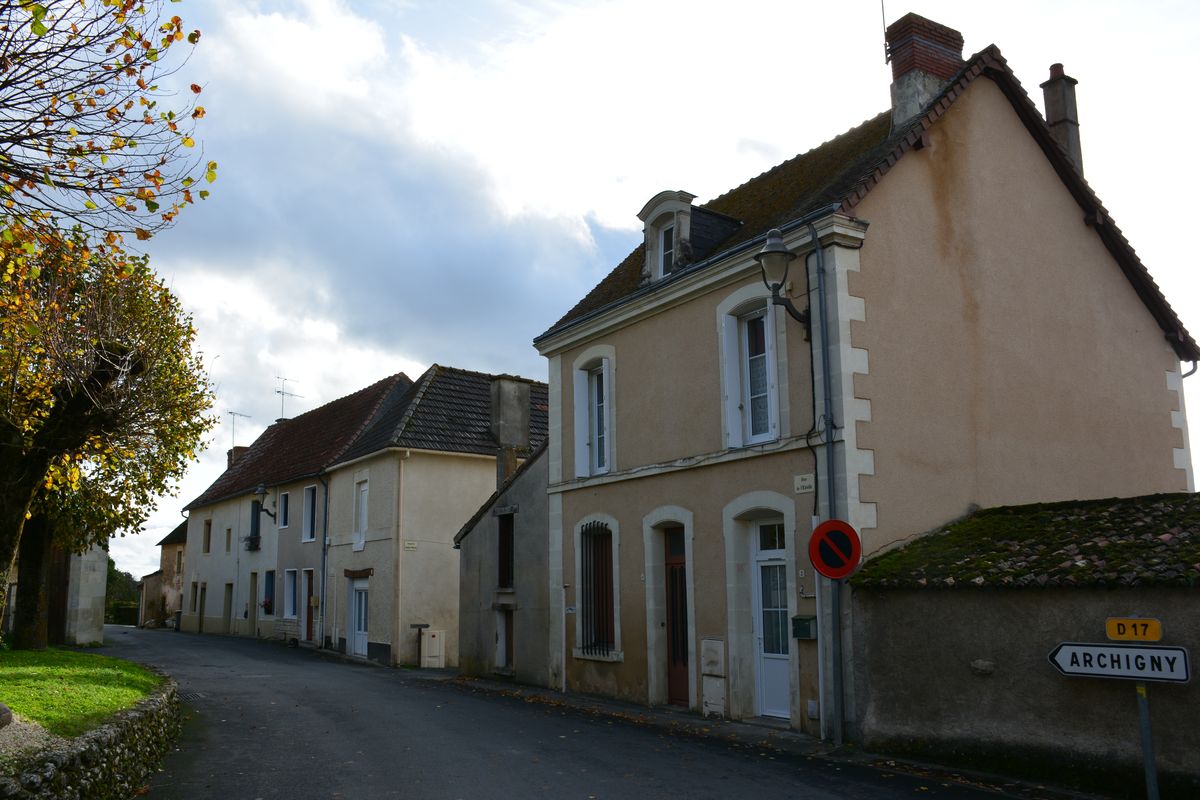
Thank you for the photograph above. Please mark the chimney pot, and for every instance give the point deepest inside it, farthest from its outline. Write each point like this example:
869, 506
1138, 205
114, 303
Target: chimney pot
1062, 115
924, 55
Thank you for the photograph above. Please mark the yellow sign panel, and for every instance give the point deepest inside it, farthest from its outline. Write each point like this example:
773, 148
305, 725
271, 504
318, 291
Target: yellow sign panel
1133, 629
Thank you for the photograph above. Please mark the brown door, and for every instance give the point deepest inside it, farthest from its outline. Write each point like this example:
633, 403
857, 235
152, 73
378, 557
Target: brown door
308, 606
677, 626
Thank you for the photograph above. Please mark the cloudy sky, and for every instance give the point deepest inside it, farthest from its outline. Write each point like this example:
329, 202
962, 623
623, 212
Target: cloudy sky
407, 182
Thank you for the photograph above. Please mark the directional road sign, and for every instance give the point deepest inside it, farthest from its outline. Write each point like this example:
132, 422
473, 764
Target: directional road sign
1131, 662
835, 549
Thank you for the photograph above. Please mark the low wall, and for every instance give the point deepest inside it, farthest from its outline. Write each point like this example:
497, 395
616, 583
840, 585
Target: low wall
111, 762
962, 675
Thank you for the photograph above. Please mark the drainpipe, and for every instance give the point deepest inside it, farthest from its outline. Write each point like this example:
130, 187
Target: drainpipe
1191, 371
324, 557
835, 594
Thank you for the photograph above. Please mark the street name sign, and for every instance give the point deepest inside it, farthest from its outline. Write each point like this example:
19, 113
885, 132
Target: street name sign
1133, 629
1126, 661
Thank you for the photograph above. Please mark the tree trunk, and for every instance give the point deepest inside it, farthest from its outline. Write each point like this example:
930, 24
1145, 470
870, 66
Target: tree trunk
31, 624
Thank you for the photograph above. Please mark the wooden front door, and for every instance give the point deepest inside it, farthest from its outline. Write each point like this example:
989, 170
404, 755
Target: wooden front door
677, 622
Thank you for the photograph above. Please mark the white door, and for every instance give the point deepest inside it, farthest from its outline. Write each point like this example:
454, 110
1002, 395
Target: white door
771, 621
358, 610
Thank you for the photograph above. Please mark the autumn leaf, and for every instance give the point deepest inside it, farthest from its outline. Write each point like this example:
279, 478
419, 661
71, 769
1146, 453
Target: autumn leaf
142, 233
189, 141
196, 88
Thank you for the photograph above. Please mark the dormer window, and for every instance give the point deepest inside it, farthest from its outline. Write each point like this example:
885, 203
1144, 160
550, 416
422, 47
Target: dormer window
668, 249
668, 223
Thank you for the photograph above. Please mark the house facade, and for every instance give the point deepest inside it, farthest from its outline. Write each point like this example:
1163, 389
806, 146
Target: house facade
335, 528
971, 329
162, 590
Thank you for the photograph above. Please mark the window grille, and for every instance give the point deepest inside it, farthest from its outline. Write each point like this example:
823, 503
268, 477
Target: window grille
597, 619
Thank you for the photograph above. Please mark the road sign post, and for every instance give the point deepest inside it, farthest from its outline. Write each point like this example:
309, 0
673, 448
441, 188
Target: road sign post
835, 551
1138, 662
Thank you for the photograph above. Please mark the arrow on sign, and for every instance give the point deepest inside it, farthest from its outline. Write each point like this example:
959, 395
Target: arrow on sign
1131, 662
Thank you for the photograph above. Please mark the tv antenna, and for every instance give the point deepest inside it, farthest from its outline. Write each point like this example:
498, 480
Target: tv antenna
233, 415
284, 394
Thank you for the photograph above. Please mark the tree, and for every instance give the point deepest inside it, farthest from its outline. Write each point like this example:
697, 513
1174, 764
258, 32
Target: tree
95, 355
102, 400
87, 136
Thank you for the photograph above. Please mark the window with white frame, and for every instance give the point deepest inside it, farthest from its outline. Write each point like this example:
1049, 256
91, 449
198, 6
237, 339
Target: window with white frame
289, 594
360, 514
283, 509
309, 513
750, 392
593, 418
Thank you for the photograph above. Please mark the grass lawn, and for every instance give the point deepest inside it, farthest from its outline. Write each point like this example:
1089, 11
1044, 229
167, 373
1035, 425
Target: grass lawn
69, 692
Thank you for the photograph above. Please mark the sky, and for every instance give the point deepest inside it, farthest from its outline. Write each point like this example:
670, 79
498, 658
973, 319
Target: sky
404, 183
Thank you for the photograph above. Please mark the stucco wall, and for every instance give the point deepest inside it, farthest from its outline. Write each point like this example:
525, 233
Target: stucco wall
667, 380
706, 494
1010, 360
919, 692
296, 553
235, 566
529, 597
86, 590
440, 493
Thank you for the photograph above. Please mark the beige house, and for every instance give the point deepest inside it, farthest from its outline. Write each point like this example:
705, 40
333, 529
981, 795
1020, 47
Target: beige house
973, 330
336, 528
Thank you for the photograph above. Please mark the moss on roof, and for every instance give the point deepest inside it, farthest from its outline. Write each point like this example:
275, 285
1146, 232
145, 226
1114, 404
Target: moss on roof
1118, 542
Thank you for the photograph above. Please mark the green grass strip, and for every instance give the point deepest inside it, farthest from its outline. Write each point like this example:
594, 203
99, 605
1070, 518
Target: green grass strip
69, 692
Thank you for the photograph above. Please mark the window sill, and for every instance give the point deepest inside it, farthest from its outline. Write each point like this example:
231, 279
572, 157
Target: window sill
358, 547
615, 656
313, 539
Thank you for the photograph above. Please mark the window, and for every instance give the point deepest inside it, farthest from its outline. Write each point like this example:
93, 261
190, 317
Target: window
228, 539
597, 611
178, 562
668, 249
504, 558
597, 432
310, 514
749, 390
283, 509
290, 604
594, 415
268, 601
206, 545
360, 514
754, 366
195, 594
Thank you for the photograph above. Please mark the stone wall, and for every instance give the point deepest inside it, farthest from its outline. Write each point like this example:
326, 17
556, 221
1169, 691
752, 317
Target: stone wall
962, 675
111, 762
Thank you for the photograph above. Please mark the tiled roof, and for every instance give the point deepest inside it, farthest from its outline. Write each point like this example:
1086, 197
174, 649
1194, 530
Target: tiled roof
302, 446
446, 409
840, 173
449, 410
501, 489
1133, 541
177, 536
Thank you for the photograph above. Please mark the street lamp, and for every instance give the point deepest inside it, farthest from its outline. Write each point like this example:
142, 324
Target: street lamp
260, 493
774, 260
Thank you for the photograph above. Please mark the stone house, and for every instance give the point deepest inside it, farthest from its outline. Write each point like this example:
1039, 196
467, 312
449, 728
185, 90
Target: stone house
964, 325
162, 590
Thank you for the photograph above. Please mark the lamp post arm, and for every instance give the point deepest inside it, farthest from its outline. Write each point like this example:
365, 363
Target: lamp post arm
800, 316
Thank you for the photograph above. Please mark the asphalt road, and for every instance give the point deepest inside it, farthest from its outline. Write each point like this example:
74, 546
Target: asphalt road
266, 721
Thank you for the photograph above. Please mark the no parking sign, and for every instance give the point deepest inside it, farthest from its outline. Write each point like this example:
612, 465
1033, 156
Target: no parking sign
835, 549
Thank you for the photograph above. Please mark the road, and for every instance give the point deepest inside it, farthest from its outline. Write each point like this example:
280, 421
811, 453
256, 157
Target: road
266, 721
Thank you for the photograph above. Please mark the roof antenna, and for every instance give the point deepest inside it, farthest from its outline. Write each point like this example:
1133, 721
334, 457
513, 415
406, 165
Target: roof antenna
887, 55
284, 394
233, 415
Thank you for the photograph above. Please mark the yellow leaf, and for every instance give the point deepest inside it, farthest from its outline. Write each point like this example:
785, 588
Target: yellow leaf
189, 141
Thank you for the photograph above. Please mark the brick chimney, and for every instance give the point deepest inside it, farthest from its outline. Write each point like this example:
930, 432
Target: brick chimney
1061, 115
510, 423
233, 454
924, 56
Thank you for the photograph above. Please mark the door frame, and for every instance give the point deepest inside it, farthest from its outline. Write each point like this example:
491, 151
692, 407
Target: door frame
653, 549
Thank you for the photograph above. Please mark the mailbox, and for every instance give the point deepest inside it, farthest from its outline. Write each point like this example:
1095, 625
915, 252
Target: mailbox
804, 627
